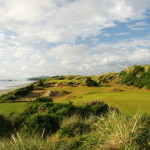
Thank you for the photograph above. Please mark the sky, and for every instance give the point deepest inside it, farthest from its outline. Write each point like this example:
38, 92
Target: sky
85, 37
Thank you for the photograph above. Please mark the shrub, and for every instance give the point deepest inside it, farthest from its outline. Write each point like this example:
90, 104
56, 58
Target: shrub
129, 79
7, 97
40, 83
143, 136
43, 124
17, 120
123, 73
74, 126
138, 69
21, 92
112, 132
90, 82
43, 99
74, 130
97, 108
30, 87
148, 86
5, 126
36, 111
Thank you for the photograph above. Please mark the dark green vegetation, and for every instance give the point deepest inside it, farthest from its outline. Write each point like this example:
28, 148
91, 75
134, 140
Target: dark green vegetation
66, 113
40, 115
49, 125
138, 77
90, 82
5, 126
43, 99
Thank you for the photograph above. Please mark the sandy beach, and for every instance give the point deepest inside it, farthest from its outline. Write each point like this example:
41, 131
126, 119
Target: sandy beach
11, 88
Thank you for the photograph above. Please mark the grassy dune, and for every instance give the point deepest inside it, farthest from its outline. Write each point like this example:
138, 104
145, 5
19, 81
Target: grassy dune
75, 119
129, 100
114, 132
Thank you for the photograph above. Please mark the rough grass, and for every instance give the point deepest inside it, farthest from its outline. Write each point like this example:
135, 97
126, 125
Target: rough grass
112, 132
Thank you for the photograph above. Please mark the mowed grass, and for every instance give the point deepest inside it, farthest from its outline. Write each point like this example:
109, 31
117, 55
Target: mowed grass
7, 108
130, 100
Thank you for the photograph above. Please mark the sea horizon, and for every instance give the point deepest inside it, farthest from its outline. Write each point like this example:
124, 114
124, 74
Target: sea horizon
12, 83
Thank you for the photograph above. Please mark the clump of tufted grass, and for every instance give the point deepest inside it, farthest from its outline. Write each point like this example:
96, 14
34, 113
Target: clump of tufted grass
118, 132
20, 142
115, 131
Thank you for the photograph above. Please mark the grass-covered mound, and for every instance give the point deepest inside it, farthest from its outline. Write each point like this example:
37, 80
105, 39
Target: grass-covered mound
44, 124
17, 93
42, 116
113, 131
138, 76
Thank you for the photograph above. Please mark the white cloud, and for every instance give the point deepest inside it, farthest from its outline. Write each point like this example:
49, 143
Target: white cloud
75, 59
24, 10
39, 37
65, 21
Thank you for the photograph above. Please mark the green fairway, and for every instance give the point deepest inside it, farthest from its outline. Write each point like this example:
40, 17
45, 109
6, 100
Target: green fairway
128, 100
7, 108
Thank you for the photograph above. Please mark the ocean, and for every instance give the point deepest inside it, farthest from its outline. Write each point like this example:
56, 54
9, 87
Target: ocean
9, 84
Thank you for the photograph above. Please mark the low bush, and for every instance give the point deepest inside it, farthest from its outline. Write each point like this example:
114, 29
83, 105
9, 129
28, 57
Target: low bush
138, 69
40, 83
97, 108
42, 124
5, 126
90, 82
115, 131
7, 97
41, 106
43, 99
74, 126
21, 92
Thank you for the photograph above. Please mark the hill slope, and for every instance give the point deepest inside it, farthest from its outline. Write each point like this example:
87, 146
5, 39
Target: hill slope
77, 118
138, 76
112, 89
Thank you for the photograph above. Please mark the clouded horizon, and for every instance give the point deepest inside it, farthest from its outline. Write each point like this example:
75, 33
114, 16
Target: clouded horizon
56, 37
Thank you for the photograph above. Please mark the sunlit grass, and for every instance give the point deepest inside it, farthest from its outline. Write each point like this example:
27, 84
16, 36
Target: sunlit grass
7, 108
129, 100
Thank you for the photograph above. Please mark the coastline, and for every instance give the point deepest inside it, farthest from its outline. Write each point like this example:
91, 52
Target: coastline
12, 88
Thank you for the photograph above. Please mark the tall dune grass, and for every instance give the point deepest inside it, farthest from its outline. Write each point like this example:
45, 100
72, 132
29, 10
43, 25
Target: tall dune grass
112, 132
